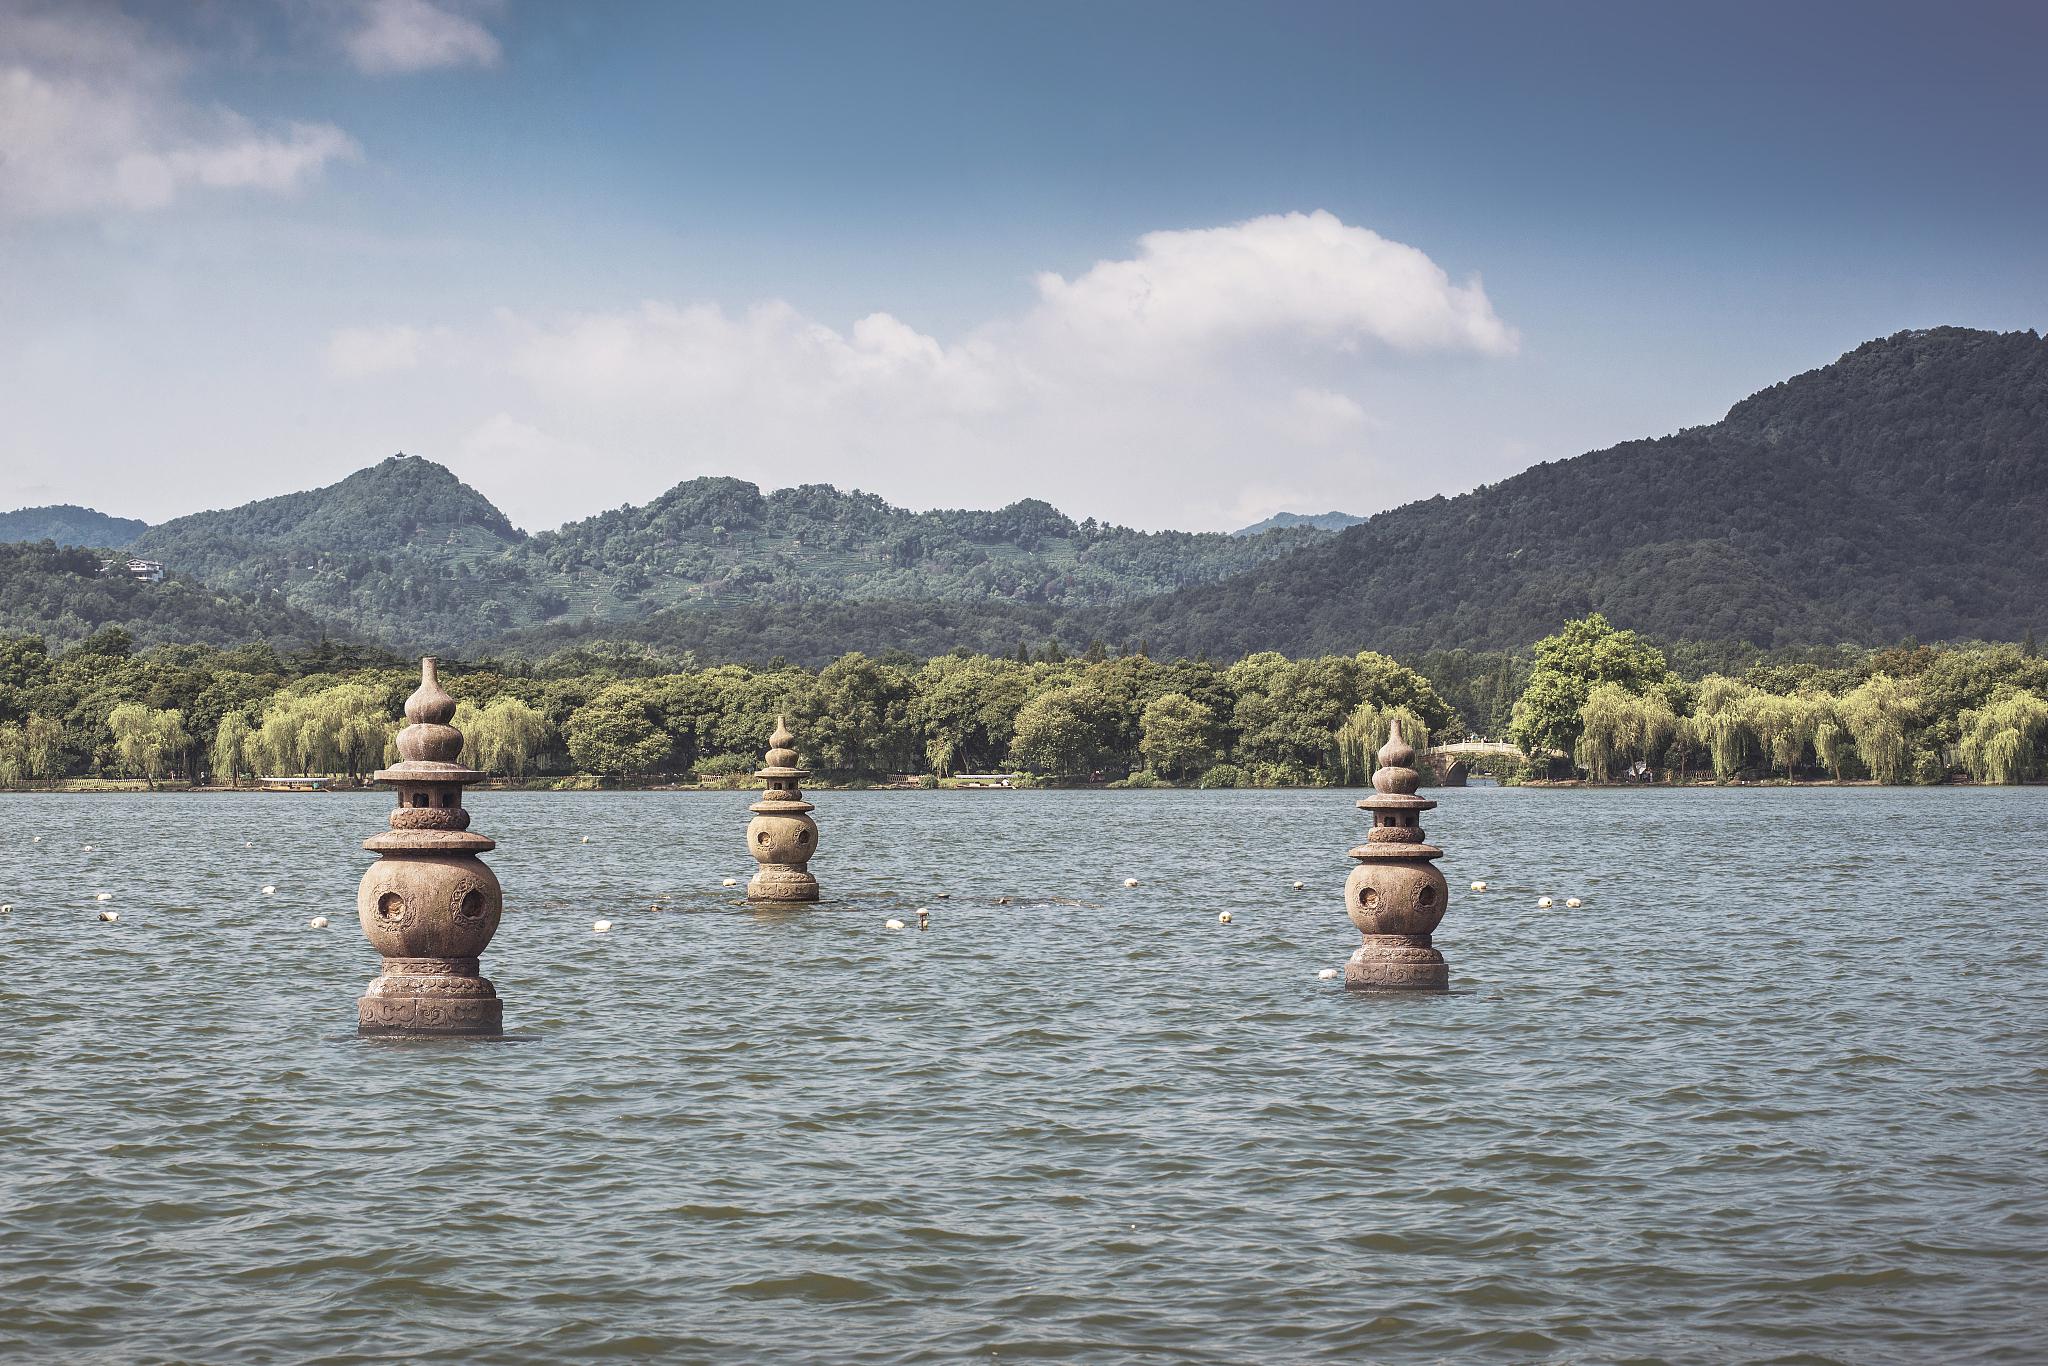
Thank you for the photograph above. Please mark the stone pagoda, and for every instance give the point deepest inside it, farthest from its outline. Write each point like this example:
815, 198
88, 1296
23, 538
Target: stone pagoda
429, 904
1395, 895
782, 837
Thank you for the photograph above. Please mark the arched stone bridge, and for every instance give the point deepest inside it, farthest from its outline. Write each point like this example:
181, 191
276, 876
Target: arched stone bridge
1449, 764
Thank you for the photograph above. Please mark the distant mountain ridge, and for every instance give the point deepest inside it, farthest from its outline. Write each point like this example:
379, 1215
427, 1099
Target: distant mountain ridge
69, 524
406, 552
1321, 521
1901, 490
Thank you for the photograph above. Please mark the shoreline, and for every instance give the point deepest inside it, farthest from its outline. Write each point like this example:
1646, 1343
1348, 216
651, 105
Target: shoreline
136, 787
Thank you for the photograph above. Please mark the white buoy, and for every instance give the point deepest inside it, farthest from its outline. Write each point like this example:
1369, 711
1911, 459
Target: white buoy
1130, 882
941, 896
892, 924
7, 909
38, 839
270, 891
1223, 917
586, 839
1573, 903
1478, 886
1299, 885
1328, 974
88, 848
730, 882
600, 927
1542, 903
104, 896
110, 916
318, 922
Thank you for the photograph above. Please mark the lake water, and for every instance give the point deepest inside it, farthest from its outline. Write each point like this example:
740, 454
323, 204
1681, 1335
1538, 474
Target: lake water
1778, 1091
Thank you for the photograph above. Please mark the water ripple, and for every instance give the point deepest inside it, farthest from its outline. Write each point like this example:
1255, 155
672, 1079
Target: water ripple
1774, 1093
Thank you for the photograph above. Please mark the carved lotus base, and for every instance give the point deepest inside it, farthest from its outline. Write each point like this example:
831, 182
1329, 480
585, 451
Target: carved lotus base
1397, 962
780, 883
430, 996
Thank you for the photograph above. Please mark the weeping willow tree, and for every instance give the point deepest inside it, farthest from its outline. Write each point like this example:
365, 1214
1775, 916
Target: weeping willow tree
2002, 741
1360, 738
231, 748
342, 729
1611, 731
1620, 728
13, 755
1877, 714
1831, 744
511, 737
1718, 723
147, 740
1784, 727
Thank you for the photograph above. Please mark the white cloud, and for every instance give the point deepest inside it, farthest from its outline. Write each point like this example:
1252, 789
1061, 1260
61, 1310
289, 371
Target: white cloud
399, 36
92, 119
1213, 369
1305, 277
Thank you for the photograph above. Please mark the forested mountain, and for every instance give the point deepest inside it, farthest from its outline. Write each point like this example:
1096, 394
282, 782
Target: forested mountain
403, 551
406, 552
1321, 521
721, 542
60, 594
1901, 491
69, 524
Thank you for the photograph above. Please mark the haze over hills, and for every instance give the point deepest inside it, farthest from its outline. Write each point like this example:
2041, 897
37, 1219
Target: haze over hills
69, 524
1902, 490
1321, 521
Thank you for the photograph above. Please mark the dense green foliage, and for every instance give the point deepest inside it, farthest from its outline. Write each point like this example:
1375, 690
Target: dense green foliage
61, 594
1606, 699
102, 709
1596, 697
68, 524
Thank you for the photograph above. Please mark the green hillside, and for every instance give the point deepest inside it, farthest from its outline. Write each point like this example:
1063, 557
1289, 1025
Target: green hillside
1901, 491
60, 594
407, 553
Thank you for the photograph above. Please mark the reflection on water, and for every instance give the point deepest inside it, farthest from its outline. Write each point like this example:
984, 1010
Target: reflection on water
1777, 1090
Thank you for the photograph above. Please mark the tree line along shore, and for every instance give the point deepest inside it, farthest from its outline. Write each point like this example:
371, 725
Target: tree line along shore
1590, 702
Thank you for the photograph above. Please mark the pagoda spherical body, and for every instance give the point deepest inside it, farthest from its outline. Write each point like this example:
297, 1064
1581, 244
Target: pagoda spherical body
447, 906
1396, 898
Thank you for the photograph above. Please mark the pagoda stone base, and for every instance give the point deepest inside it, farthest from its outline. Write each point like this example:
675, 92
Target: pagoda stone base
779, 883
426, 996
1397, 962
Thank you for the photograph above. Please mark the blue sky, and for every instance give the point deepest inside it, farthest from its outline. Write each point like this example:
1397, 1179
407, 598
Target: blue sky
1170, 265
